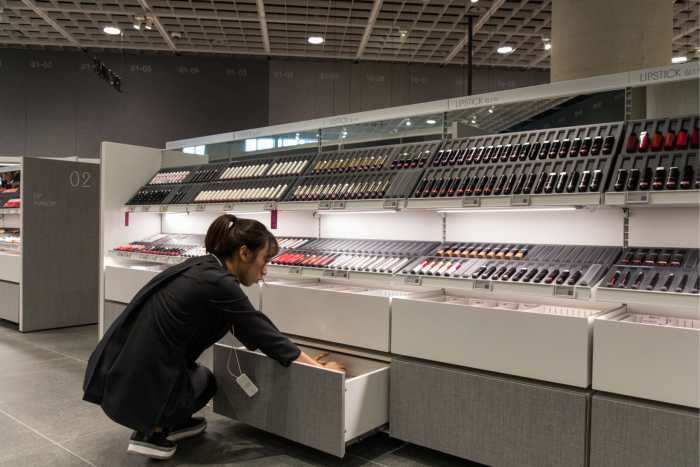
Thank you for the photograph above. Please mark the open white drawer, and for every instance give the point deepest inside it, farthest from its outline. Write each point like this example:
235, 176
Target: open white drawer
307, 404
655, 362
344, 314
547, 343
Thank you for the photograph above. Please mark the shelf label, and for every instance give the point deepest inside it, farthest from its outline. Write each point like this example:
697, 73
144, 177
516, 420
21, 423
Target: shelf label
162, 259
519, 200
145, 208
199, 207
123, 254
130, 208
391, 204
412, 280
338, 204
636, 197
295, 270
142, 256
470, 202
324, 205
152, 258
228, 207
482, 285
328, 273
163, 208
341, 274
564, 291
269, 206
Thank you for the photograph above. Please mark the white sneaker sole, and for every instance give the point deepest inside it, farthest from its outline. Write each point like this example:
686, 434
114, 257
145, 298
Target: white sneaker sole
153, 453
190, 433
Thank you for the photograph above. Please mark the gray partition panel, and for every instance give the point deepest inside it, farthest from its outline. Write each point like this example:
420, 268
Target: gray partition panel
627, 432
487, 418
112, 312
13, 94
60, 243
9, 301
299, 403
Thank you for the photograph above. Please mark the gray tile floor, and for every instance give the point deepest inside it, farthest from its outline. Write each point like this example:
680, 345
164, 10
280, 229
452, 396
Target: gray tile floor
44, 422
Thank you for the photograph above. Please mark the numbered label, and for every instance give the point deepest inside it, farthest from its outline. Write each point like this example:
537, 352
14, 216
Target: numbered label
163, 208
234, 72
188, 71
564, 291
412, 280
86, 66
519, 200
130, 208
295, 270
75, 180
44, 65
329, 76
636, 197
283, 74
324, 205
482, 285
419, 80
152, 258
506, 84
143, 256
269, 206
391, 203
162, 259
142, 69
228, 207
372, 79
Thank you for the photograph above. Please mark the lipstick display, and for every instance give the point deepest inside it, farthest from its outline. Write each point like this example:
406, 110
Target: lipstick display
620, 180
687, 177
645, 180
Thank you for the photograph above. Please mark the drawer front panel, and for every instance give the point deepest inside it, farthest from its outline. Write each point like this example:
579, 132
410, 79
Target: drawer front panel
9, 301
344, 318
490, 420
301, 403
632, 433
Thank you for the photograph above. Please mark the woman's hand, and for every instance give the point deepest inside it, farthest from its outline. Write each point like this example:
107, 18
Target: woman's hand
330, 365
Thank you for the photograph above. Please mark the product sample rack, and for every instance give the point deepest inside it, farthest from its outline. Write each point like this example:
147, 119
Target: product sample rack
556, 166
659, 165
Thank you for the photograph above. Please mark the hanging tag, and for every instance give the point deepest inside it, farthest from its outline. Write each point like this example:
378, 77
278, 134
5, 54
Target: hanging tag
273, 219
247, 385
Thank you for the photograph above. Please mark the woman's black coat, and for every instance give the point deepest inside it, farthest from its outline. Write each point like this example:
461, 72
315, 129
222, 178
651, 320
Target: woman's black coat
138, 372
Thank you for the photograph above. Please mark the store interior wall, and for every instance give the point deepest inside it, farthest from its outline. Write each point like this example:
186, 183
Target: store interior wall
53, 105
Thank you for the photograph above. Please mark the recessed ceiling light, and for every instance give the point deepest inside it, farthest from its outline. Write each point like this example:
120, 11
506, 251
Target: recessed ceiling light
506, 49
430, 122
112, 30
490, 111
408, 123
316, 40
474, 1
679, 59
547, 46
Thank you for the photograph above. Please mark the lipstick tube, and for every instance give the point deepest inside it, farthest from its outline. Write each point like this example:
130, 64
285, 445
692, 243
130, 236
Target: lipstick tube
554, 149
620, 180
625, 280
549, 185
657, 141
499, 272
574, 279
696, 286
478, 272
670, 140
519, 274
499, 185
565, 146
653, 282
632, 143
428, 267
682, 139
681, 284
672, 180
643, 142
539, 186
436, 189
526, 151
515, 153
453, 188
470, 157
585, 147
608, 145
462, 156
573, 182
614, 279
479, 155
509, 186
530, 275
597, 145
496, 153
563, 276
575, 147
445, 187
551, 277
397, 267
561, 182
596, 181
420, 188
506, 152
482, 184
518, 188
667, 284
686, 177
659, 178
529, 183
539, 277
489, 186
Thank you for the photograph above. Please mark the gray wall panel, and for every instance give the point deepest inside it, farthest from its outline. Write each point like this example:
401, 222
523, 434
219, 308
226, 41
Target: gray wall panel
245, 94
12, 102
100, 110
292, 86
325, 78
427, 84
148, 82
356, 81
62, 198
400, 88
197, 97
50, 103
376, 86
341, 95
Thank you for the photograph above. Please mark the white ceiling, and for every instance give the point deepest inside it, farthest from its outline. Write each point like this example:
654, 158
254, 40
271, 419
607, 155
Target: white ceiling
406, 31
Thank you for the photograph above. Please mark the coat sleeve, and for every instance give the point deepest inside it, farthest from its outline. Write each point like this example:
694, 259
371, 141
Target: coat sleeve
253, 328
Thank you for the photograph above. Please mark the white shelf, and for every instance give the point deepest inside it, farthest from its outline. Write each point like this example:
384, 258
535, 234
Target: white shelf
647, 297
654, 198
564, 199
10, 211
162, 208
145, 257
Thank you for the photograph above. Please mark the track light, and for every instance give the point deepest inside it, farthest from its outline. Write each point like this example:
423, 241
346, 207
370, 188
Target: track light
137, 22
149, 23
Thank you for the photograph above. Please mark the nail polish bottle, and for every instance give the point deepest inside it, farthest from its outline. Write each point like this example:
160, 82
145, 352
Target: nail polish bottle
657, 141
633, 180
620, 180
539, 186
596, 181
575, 147
686, 177
529, 183
597, 145
672, 180
659, 177
561, 183
573, 181
670, 141
682, 139
645, 181
565, 146
549, 185
585, 181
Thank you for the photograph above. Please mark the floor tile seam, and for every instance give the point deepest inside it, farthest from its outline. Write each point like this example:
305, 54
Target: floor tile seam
45, 348
47, 438
86, 434
376, 463
32, 363
24, 452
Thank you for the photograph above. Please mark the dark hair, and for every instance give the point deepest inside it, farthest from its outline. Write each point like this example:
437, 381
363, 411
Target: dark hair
227, 234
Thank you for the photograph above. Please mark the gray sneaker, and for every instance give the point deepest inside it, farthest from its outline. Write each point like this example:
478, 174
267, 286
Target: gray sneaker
195, 426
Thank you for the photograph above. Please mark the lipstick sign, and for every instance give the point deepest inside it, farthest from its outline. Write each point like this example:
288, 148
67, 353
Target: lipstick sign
107, 75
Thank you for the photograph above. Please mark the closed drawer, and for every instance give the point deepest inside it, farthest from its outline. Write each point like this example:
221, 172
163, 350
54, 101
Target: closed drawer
307, 404
541, 342
659, 363
9, 301
355, 316
9, 267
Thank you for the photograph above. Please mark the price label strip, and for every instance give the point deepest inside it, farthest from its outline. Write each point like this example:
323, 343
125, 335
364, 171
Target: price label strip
470, 202
564, 291
482, 285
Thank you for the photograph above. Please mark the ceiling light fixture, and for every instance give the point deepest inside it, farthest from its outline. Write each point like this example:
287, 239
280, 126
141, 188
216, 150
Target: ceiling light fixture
316, 40
508, 210
547, 46
679, 59
137, 22
491, 110
506, 49
430, 122
408, 123
112, 31
149, 23
474, 1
